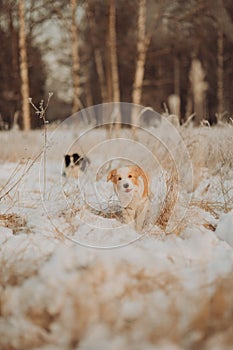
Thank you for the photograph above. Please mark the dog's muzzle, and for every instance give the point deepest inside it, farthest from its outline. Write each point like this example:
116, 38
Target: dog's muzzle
126, 187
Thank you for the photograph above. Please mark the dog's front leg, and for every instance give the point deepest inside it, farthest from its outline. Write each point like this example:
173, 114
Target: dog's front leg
128, 215
140, 217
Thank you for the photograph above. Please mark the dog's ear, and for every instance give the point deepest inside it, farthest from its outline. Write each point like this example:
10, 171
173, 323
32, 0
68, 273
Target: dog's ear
67, 159
112, 175
145, 182
76, 158
76, 155
144, 177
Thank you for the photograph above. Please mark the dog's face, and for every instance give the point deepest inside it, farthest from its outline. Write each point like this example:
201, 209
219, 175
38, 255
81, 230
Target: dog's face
74, 163
72, 160
129, 181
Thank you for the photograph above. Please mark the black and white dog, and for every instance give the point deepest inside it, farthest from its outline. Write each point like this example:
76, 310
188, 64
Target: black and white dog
74, 163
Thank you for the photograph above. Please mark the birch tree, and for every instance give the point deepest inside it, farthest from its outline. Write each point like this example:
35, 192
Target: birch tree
24, 68
116, 117
143, 42
142, 46
199, 86
75, 57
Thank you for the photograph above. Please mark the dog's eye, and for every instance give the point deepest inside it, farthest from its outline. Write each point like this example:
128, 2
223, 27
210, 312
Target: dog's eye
119, 178
130, 176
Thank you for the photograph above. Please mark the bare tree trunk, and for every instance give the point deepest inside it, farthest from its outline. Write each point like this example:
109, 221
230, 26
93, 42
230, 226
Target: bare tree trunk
220, 95
116, 116
101, 75
109, 77
88, 92
97, 56
199, 87
189, 104
141, 53
14, 45
24, 68
75, 58
174, 105
88, 97
113, 51
176, 75
174, 99
143, 41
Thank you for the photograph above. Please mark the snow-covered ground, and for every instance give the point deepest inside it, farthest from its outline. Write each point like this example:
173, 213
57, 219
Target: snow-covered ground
73, 278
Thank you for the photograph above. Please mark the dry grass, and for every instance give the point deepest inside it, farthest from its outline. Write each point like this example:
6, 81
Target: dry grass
170, 200
66, 315
20, 146
15, 222
37, 311
210, 149
41, 309
214, 320
211, 155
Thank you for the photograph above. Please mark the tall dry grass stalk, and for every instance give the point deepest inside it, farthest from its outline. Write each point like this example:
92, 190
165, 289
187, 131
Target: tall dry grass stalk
41, 112
170, 199
8, 186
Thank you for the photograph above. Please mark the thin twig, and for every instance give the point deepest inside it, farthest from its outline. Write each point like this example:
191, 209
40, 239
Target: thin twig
41, 111
21, 177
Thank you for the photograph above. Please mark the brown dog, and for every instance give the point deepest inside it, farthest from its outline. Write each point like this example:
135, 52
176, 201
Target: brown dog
132, 188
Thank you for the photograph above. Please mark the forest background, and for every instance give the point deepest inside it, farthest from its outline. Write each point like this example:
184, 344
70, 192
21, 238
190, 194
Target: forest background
174, 55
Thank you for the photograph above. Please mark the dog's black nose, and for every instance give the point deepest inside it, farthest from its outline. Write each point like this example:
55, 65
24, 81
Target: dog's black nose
126, 185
